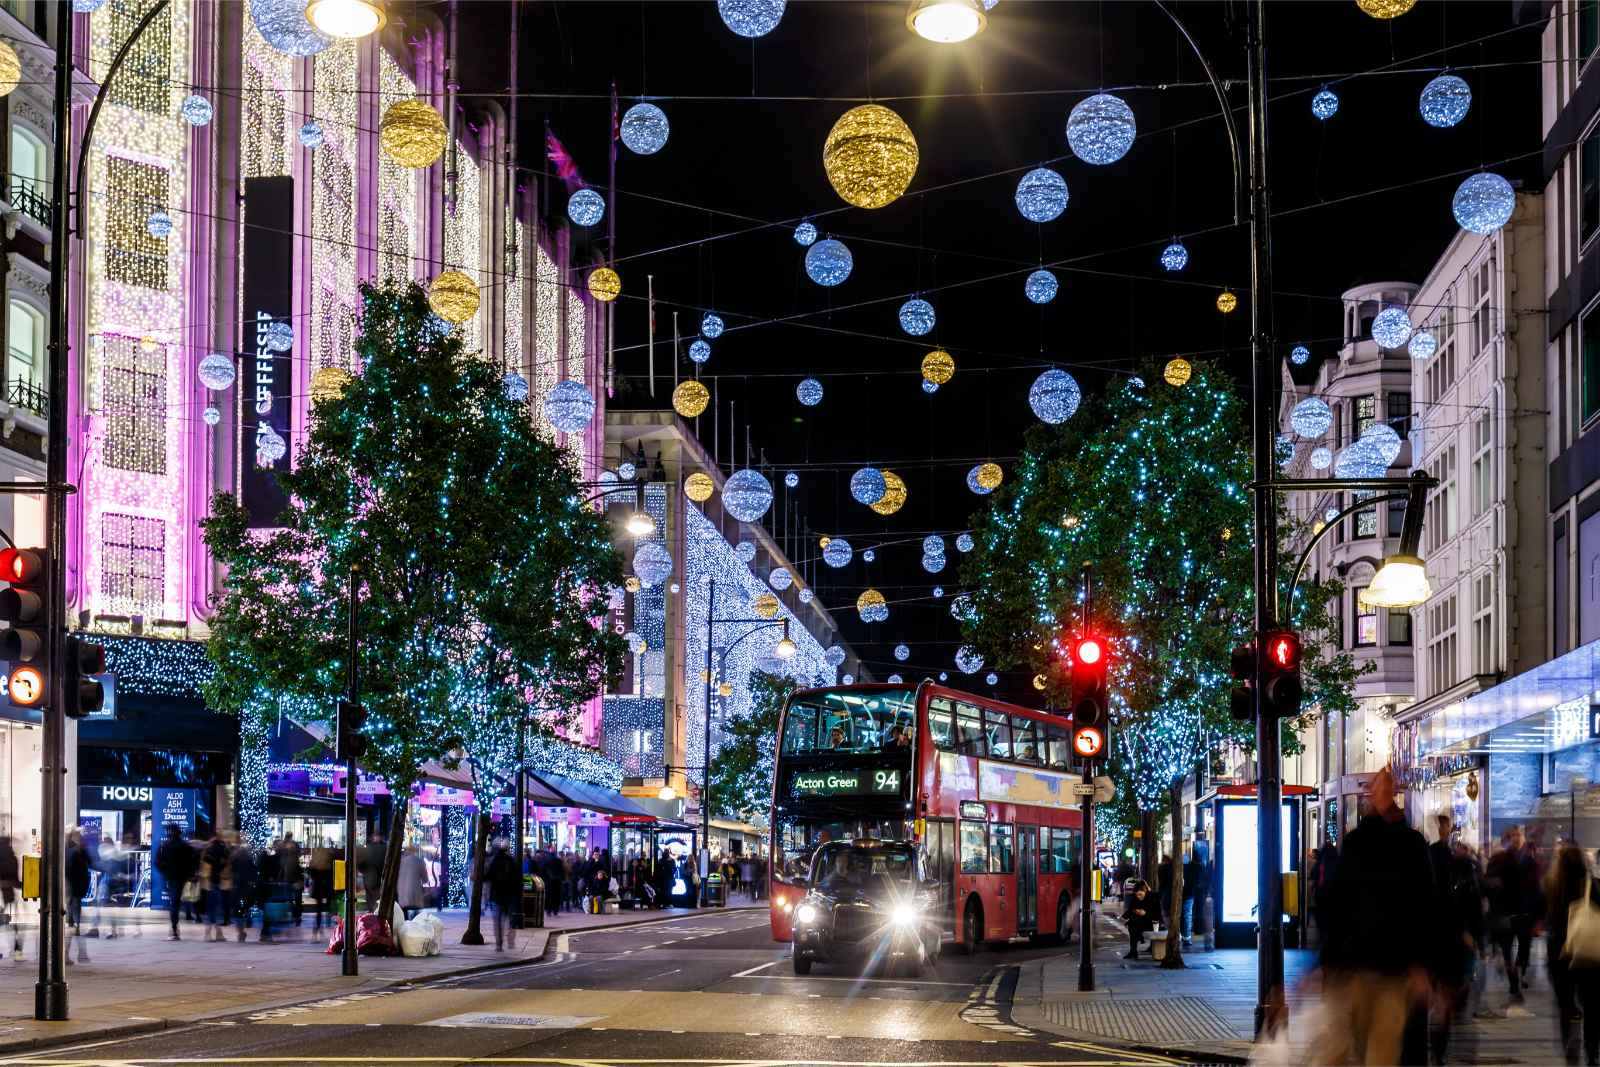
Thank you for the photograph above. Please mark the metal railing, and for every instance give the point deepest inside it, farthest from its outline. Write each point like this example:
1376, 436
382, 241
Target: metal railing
24, 394
28, 197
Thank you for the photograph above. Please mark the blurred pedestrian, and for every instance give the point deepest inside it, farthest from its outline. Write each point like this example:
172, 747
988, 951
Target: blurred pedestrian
1380, 915
78, 865
213, 861
10, 882
1138, 913
1460, 933
1512, 882
294, 876
410, 893
246, 878
503, 886
1574, 976
110, 862
321, 871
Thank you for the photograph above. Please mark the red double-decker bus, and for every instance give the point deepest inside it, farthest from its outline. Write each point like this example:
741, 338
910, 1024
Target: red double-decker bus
984, 787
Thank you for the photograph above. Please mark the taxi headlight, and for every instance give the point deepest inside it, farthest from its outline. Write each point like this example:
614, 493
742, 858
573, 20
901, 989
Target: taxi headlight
806, 913
903, 915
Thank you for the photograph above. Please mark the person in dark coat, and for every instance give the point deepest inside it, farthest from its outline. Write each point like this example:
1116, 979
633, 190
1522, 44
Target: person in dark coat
373, 854
503, 884
213, 865
177, 862
78, 865
246, 878
1139, 914
1513, 884
1461, 932
1577, 988
555, 882
1381, 944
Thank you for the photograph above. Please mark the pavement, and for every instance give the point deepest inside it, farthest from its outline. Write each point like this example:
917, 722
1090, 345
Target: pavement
1207, 1010
140, 981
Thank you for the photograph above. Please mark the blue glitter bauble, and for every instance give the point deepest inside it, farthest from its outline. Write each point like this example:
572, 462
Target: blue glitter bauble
1174, 257
1325, 104
1042, 195
850, 679
916, 317
975, 485
626, 471
869, 555
895, 679
711, 325
933, 545
1361, 459
745, 551
1101, 129
1054, 396
968, 660
644, 129
806, 596
159, 224
1299, 355
780, 578
751, 18
196, 110
217, 371
311, 135
944, 676
1041, 287
1311, 417
1321, 458
902, 653
516, 387
747, 495
210, 415
828, 262
929, 387
699, 350
938, 591
964, 542
1384, 440
283, 25
933, 564
833, 656
991, 678
961, 608
809, 392
1391, 327
1423, 344
804, 234
1445, 101
88, 7
1483, 203
568, 406
838, 552
586, 207
280, 337
791, 479
652, 563
867, 485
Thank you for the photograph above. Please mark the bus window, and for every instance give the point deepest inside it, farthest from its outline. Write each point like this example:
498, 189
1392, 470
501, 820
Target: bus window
999, 848
1024, 740
1058, 753
974, 848
800, 729
969, 731
941, 723
998, 728
1061, 851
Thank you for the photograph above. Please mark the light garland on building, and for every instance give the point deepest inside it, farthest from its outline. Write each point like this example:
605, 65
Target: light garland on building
463, 237
336, 100
398, 237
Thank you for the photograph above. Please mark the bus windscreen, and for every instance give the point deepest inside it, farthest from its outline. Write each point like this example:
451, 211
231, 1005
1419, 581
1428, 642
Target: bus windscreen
841, 721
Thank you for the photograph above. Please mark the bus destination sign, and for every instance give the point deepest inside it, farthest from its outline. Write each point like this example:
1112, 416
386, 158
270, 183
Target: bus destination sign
863, 782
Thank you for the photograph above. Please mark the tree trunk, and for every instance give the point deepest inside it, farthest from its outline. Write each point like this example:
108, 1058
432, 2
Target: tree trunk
1173, 960
1147, 848
474, 932
391, 856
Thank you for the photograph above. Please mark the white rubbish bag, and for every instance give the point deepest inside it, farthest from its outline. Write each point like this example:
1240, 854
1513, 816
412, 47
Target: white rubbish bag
422, 936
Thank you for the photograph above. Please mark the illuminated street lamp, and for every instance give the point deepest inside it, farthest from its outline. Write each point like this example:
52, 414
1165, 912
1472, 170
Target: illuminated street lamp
347, 19
640, 524
1402, 582
946, 21
666, 792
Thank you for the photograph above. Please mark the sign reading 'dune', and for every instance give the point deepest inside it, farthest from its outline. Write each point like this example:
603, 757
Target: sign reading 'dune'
878, 781
265, 384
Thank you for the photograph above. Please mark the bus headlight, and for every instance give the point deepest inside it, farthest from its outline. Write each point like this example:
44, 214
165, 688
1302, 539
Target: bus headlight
806, 913
903, 915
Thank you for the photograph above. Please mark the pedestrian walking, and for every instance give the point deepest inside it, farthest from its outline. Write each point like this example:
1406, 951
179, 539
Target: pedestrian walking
77, 876
213, 861
373, 854
1461, 935
321, 871
245, 875
10, 882
1380, 912
111, 861
1574, 974
1513, 885
503, 886
176, 862
410, 893
294, 877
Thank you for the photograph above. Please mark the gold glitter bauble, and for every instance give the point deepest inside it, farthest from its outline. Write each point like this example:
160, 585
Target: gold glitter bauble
1386, 9
938, 367
990, 476
10, 69
1039, 682
329, 384
412, 133
690, 398
1226, 301
1177, 371
605, 285
632, 585
825, 541
1227, 533
869, 600
894, 494
724, 689
765, 605
453, 296
699, 487
870, 156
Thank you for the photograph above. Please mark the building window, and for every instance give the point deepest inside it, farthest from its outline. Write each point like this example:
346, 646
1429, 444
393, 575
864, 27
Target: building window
1442, 368
1398, 410
1589, 354
641, 742
25, 360
1396, 512
1399, 627
1366, 620
1364, 412
1441, 512
1482, 307
133, 563
134, 394
1484, 660
30, 169
1482, 463
1442, 644
144, 82
1366, 520
133, 191
1588, 28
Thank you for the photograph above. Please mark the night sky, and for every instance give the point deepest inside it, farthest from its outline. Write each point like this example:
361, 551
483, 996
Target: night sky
1362, 197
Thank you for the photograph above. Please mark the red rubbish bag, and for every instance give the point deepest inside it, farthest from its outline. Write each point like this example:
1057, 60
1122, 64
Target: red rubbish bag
373, 936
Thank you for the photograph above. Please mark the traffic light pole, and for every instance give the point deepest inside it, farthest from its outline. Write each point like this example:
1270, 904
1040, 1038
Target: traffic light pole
1086, 852
1263, 411
350, 964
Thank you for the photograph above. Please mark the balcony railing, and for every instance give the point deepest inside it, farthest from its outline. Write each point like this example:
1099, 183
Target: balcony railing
28, 197
24, 394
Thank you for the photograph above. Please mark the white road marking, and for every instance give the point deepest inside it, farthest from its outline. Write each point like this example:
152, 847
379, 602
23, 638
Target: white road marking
749, 973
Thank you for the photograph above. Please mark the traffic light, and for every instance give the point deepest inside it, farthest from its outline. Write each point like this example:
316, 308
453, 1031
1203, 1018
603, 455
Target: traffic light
85, 695
352, 719
1090, 697
1242, 700
23, 604
1280, 674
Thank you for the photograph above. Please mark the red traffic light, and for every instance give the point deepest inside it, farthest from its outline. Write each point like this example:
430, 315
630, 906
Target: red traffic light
1088, 651
1088, 741
1283, 651
20, 565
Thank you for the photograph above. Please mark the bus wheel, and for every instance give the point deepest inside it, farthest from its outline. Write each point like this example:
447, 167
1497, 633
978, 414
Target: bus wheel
972, 929
1062, 932
802, 964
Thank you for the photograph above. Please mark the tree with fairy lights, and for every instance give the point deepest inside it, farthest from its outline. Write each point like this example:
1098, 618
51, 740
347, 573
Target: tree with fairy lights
1150, 487
479, 569
742, 768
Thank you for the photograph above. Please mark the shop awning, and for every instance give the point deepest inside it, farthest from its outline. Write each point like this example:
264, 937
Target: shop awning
576, 794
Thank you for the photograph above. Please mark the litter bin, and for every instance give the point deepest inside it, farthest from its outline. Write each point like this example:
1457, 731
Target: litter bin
532, 901
715, 894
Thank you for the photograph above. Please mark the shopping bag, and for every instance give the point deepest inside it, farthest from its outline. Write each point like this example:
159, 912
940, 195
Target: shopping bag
1582, 947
